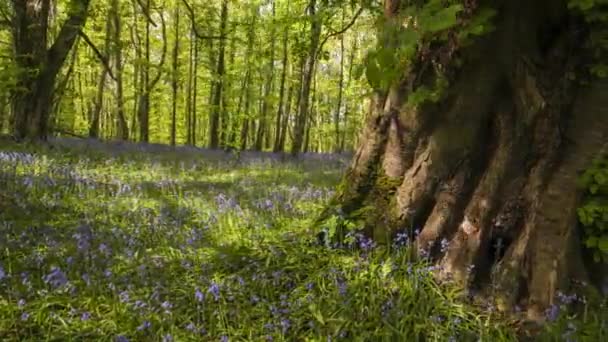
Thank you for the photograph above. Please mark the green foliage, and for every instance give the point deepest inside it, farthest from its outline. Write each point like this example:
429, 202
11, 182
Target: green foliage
401, 37
593, 213
595, 13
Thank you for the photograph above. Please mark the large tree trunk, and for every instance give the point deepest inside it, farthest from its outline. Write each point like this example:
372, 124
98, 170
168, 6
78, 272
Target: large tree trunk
33, 97
487, 176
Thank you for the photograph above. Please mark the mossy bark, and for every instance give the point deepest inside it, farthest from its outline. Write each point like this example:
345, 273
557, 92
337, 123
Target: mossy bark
495, 162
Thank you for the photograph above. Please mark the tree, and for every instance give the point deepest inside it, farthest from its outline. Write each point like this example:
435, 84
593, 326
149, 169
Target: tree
307, 75
473, 146
218, 82
38, 64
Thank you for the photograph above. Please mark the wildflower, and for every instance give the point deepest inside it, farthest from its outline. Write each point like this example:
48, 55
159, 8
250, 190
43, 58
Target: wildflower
85, 316
121, 338
167, 338
198, 295
190, 327
104, 249
145, 325
86, 278
25, 316
224, 338
21, 303
401, 240
124, 296
166, 305
2, 273
552, 313
214, 289
56, 278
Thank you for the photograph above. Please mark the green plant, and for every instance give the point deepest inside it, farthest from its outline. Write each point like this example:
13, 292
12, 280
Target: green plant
593, 213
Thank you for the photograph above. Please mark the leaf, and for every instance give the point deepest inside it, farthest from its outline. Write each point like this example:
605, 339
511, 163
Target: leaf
603, 244
591, 241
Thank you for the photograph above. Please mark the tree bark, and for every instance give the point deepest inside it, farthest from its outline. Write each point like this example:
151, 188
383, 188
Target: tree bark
174, 74
485, 180
218, 83
101, 85
309, 67
123, 127
280, 108
33, 96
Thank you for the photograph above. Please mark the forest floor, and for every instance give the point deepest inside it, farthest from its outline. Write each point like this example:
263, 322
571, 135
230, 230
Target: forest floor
124, 242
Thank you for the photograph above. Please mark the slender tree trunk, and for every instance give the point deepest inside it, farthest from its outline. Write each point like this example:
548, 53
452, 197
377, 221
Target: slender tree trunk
488, 174
286, 118
149, 84
246, 120
143, 106
309, 66
195, 94
33, 96
123, 127
280, 109
338, 144
174, 80
346, 104
189, 130
97, 104
216, 110
268, 87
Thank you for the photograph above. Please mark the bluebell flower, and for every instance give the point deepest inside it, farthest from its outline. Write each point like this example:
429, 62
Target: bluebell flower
145, 325
214, 289
2, 273
56, 278
198, 295
85, 316
121, 338
124, 296
167, 338
25, 316
552, 313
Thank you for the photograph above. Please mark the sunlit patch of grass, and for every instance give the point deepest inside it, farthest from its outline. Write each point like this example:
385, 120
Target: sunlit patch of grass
174, 246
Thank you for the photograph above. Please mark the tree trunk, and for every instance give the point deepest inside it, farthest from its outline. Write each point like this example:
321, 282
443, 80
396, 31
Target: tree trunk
123, 128
33, 96
309, 67
214, 124
174, 79
280, 108
268, 88
487, 175
101, 86
337, 143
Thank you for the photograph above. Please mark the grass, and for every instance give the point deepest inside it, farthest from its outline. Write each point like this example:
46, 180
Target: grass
120, 242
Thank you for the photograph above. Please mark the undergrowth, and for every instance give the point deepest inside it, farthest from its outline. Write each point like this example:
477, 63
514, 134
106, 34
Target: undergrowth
125, 243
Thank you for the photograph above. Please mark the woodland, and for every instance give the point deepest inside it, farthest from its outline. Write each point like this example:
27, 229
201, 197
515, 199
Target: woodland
303, 170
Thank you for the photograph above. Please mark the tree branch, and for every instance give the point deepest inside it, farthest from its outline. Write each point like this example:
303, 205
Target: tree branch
58, 52
162, 56
144, 10
341, 31
103, 59
197, 33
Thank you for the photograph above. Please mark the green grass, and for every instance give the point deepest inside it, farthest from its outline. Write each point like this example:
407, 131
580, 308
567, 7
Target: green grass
110, 243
